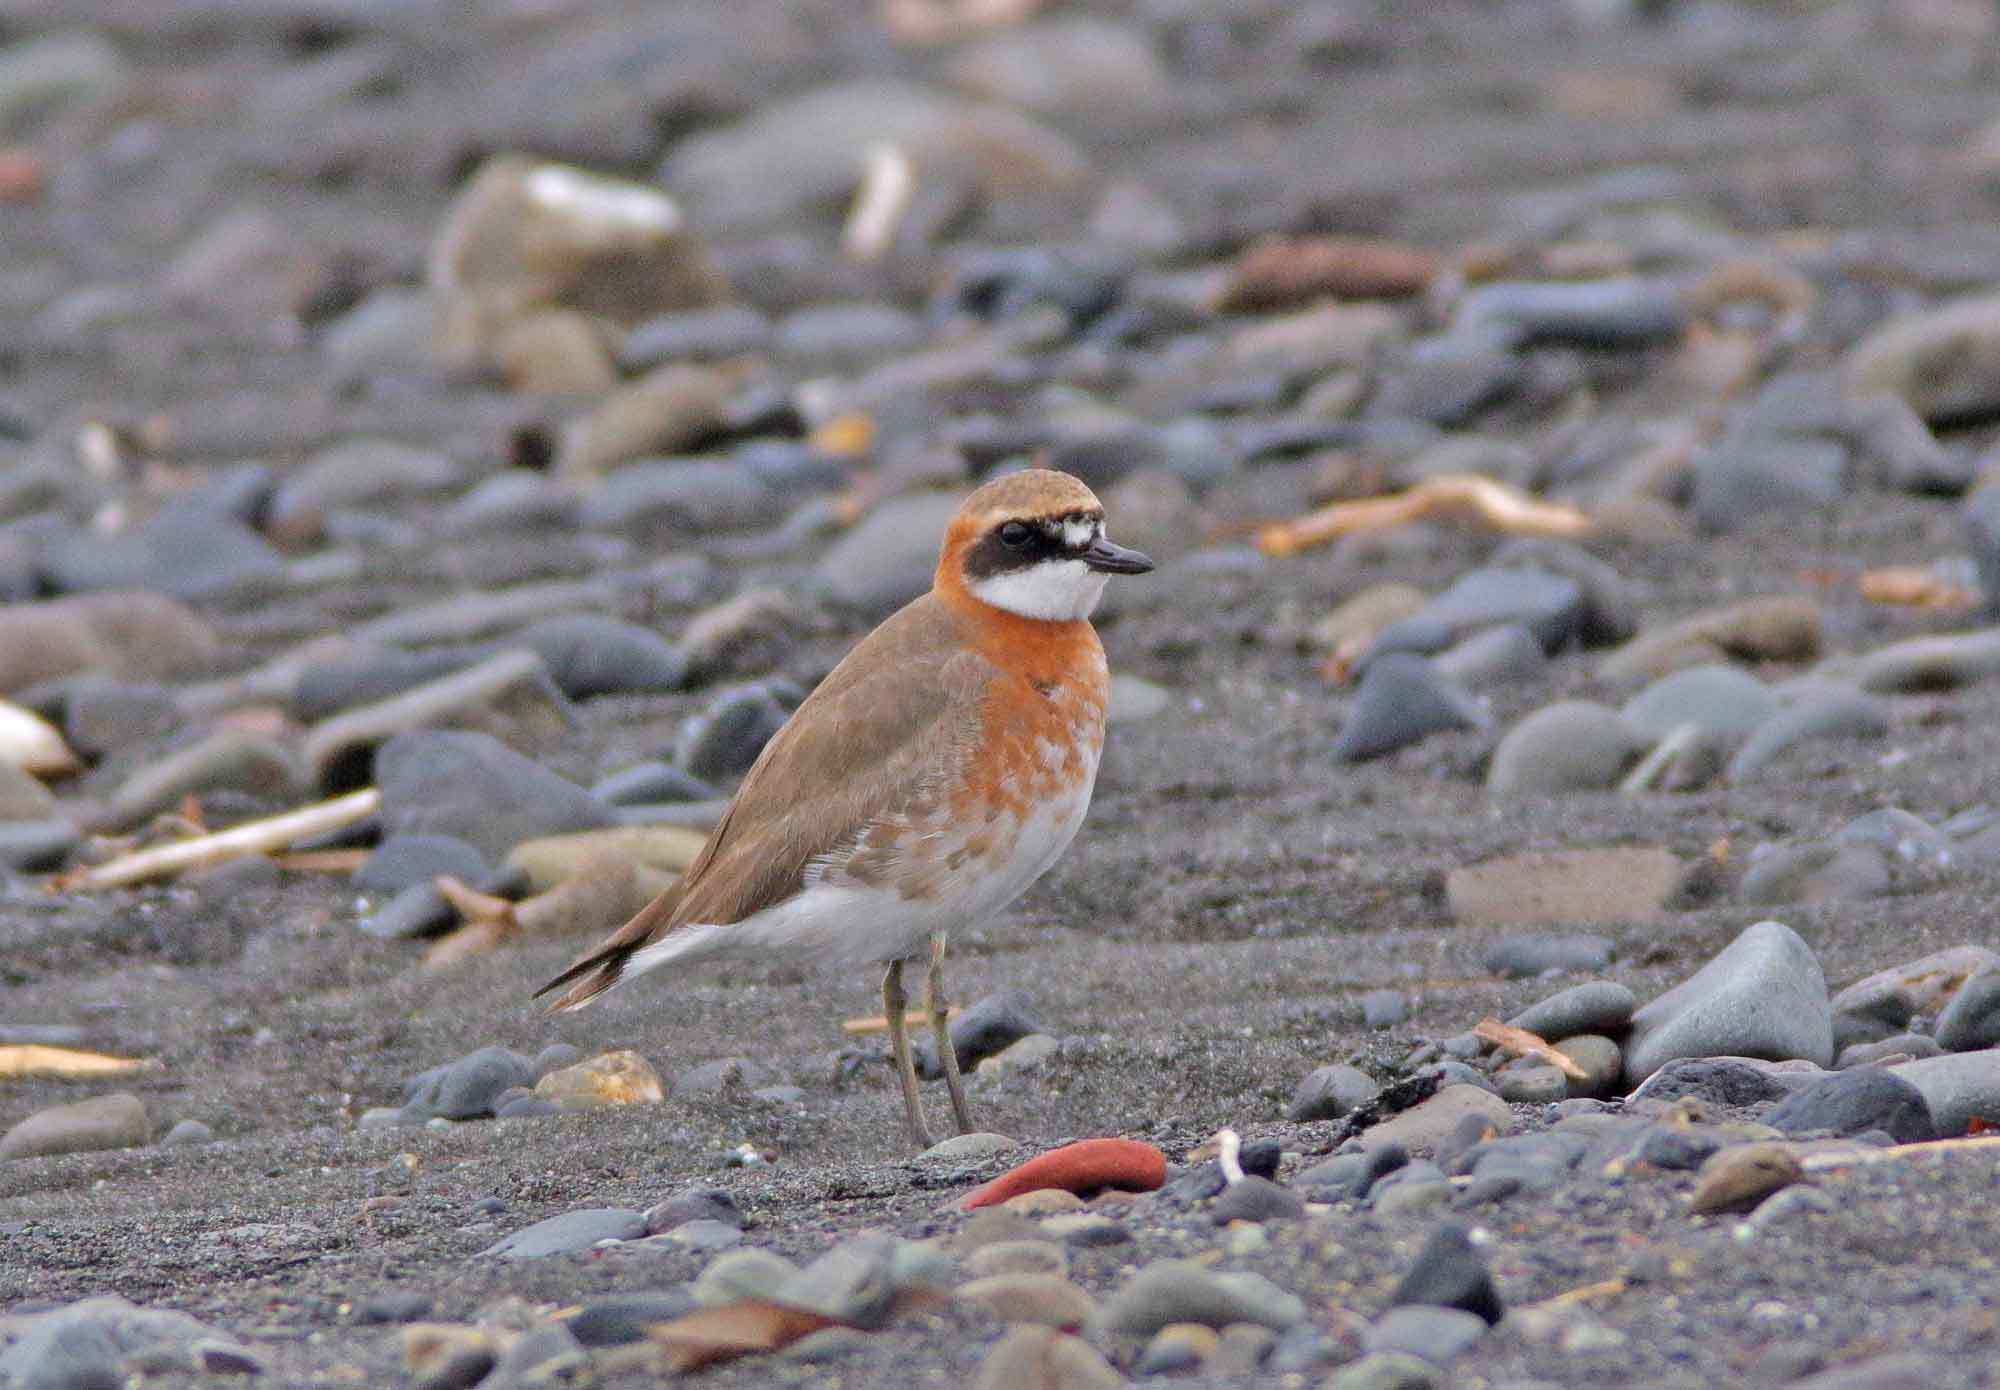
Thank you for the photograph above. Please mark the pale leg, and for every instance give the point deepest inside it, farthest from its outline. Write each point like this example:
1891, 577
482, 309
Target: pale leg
947, 1054
893, 1004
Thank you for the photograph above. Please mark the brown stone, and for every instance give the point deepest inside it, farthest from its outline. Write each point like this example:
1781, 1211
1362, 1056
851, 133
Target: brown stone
614, 1078
1280, 271
1738, 1178
1585, 885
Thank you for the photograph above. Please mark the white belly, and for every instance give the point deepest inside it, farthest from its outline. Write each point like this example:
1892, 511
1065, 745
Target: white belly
833, 923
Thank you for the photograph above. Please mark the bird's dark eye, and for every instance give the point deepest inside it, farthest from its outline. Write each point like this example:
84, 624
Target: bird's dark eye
1015, 535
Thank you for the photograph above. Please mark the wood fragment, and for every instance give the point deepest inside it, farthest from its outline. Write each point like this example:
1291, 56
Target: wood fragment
1908, 586
743, 1328
878, 1023
321, 861
1583, 1293
238, 842
1521, 1043
38, 1059
1492, 503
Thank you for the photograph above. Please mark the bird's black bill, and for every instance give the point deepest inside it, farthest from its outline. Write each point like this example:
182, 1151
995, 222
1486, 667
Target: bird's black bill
1106, 558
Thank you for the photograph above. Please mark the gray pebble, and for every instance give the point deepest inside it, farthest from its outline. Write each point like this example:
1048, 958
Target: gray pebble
1438, 1335
1520, 956
1327, 1093
1836, 712
1595, 1006
571, 1231
1764, 995
1848, 1103
1384, 1008
1403, 698
1723, 700
1170, 1291
1574, 745
725, 738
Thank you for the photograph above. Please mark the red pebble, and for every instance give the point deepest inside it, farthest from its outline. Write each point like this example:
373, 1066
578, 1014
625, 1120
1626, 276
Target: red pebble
1088, 1166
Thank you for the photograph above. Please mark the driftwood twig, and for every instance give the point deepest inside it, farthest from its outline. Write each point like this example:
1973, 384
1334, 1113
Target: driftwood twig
1495, 503
253, 837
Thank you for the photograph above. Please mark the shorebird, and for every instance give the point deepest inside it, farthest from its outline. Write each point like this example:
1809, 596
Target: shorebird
942, 767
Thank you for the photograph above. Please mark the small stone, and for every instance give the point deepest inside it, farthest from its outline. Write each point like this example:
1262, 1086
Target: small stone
1762, 629
1738, 1178
224, 761
1848, 1103
1741, 482
470, 785
989, 1027
740, 1274
1492, 656
615, 1078
714, 1204
1905, 1370
186, 1134
1049, 1300
728, 330
571, 1231
466, 1089
1044, 1359
1424, 1126
1596, 1006
1959, 1087
1835, 712
1972, 1019
1574, 745
1602, 1061
1256, 1199
725, 739
1348, 1177
970, 1147
1981, 517
1899, 1047
1438, 1335
394, 1306
402, 860
1179, 1346
1281, 272
1386, 1370
888, 558
1089, 1166
1548, 605
1723, 700
1534, 1084
1384, 1008
722, 1076
1817, 871
1589, 885
1402, 699
854, 1282
1943, 361
1044, 1201
704, 1235
1518, 957
1763, 996
590, 655
1026, 1256
115, 1121
1450, 1273
1925, 664
1737, 1082
1171, 1291
1026, 1055
1327, 1093
1923, 986
623, 1319
444, 1356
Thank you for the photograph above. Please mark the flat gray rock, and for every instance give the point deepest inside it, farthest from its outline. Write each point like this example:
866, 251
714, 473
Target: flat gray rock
1718, 699
1573, 745
572, 1230
1595, 1006
1763, 996
116, 1121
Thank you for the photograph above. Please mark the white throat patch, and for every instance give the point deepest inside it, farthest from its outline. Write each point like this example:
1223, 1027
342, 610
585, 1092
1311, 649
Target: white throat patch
1055, 591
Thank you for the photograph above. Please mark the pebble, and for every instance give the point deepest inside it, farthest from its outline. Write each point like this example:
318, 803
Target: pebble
1518, 957
1493, 656
727, 330
1403, 698
1049, 1300
1738, 1178
1925, 664
1387, 1370
1848, 1103
129, 636
443, 1356
1760, 629
1814, 872
451, 782
1327, 1093
1438, 1335
1450, 1273
394, 1306
1256, 1199
722, 1076
1602, 1061
987, 1028
964, 1147
402, 860
1828, 712
622, 1319
34, 846
1741, 482
651, 783
1596, 1006
1044, 1357
1350, 1176
568, 1232
1944, 361
612, 1079
1763, 996
1426, 1125
591, 655
1719, 699
1171, 1291
1384, 1008
1972, 1019
1900, 1370
668, 410
1025, 1256
1088, 1166
466, 1089
889, 556
1738, 1082
1179, 1346
224, 761
325, 688
106, 1341
187, 1133
743, 1273
1573, 745
1981, 520
1894, 831
1958, 1087
1890, 999
1602, 885
1532, 1084
1549, 605
725, 738
549, 1354
858, 1281
1897, 1047
114, 1121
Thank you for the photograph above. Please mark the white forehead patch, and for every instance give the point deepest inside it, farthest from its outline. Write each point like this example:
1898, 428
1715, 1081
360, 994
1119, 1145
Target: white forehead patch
1055, 591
